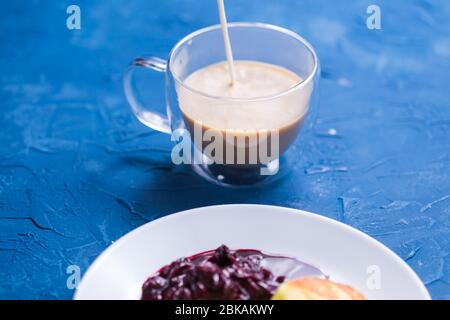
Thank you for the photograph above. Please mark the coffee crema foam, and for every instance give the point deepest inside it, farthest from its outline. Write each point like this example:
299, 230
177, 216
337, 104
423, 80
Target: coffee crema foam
254, 80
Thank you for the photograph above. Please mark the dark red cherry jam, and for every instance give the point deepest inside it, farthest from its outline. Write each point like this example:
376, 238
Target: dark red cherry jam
218, 274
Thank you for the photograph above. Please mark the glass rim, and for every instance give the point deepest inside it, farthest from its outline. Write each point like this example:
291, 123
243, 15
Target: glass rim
260, 25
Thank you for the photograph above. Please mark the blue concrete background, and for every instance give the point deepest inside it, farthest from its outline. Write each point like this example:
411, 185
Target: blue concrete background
77, 170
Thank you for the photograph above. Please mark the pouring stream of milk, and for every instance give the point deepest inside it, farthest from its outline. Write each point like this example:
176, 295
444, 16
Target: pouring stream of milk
226, 40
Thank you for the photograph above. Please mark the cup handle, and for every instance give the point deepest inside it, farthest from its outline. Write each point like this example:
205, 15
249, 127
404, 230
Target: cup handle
152, 119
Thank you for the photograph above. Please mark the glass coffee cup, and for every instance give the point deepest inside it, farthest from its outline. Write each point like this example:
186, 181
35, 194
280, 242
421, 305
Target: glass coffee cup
234, 141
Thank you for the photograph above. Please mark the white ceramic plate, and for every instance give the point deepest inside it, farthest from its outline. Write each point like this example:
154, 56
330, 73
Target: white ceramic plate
346, 254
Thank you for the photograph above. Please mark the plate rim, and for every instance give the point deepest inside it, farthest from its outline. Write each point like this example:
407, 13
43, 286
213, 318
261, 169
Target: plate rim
293, 211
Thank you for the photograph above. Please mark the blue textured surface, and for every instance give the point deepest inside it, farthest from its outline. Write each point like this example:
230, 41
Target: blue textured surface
77, 170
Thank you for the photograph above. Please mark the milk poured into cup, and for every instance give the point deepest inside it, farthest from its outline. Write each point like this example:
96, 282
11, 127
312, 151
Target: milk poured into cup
249, 102
245, 128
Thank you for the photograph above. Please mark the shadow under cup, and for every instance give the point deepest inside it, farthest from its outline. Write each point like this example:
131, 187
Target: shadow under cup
244, 153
